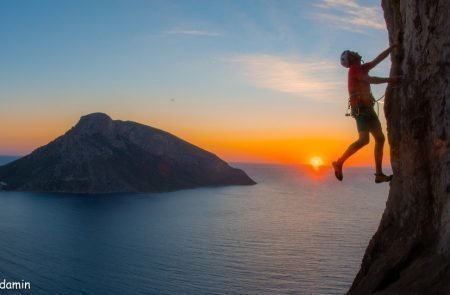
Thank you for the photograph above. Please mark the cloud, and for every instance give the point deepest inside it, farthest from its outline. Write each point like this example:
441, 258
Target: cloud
179, 32
351, 16
191, 32
311, 79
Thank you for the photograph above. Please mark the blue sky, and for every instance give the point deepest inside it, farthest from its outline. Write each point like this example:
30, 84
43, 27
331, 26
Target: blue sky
190, 67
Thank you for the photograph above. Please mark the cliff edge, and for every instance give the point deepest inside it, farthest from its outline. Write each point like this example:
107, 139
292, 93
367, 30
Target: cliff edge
410, 252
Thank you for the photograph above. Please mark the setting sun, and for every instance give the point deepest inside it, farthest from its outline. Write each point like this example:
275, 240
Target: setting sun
316, 162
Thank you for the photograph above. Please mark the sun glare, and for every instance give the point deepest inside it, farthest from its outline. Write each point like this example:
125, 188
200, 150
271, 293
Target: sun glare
316, 162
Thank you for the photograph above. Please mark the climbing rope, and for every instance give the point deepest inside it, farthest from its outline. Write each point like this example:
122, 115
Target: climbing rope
377, 101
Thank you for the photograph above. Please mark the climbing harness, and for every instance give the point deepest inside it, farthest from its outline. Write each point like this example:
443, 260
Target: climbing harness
353, 108
354, 105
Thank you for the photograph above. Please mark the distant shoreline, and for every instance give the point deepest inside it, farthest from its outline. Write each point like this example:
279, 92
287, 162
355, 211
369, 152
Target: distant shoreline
5, 159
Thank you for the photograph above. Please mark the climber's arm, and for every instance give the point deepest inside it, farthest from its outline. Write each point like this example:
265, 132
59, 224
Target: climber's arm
379, 80
380, 58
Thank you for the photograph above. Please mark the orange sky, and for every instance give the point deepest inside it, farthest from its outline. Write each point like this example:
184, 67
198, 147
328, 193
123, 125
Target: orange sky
20, 137
288, 151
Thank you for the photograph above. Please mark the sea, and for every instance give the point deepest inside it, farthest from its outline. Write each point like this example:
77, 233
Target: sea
298, 231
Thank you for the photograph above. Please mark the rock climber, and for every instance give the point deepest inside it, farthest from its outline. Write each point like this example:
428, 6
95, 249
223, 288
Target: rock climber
361, 102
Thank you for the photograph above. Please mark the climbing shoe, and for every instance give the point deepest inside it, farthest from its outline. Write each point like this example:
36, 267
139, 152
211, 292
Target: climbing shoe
337, 170
380, 177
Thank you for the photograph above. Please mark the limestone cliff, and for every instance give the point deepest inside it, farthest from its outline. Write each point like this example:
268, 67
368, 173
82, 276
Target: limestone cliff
100, 155
409, 253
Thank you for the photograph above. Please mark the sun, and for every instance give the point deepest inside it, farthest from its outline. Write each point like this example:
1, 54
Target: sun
316, 162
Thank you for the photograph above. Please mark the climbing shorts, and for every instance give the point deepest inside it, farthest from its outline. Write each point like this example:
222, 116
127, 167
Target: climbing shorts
367, 120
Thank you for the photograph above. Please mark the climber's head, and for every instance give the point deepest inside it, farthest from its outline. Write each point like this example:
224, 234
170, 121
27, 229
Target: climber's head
349, 58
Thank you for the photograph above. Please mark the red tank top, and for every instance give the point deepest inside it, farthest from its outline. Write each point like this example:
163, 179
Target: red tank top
358, 88
356, 84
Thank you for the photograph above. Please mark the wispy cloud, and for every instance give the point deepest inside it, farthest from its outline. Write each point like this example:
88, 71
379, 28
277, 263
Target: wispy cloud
351, 16
311, 79
191, 32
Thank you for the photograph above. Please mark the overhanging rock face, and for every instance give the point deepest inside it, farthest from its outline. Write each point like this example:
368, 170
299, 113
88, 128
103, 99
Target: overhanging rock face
409, 253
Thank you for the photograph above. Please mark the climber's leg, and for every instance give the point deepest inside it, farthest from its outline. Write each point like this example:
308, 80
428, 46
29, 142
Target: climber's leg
353, 148
378, 135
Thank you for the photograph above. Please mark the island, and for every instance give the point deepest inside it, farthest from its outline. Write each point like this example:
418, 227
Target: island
101, 155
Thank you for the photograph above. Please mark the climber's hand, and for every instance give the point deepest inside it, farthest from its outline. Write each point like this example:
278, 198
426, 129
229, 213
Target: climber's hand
395, 79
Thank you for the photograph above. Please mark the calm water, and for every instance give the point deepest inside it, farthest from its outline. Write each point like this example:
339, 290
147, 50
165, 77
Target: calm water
293, 233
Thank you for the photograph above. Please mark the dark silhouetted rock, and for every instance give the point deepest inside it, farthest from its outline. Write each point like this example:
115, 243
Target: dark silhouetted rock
100, 155
409, 253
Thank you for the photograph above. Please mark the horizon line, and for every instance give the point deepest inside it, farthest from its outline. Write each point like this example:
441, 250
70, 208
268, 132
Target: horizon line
245, 162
